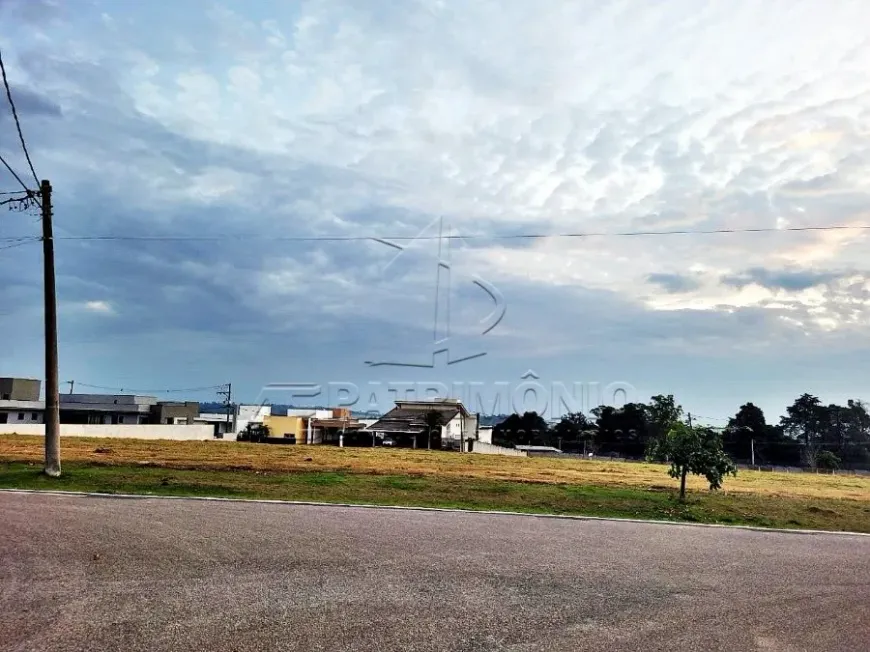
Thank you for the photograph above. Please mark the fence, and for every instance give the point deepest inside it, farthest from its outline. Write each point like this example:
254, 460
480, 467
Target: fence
491, 449
129, 431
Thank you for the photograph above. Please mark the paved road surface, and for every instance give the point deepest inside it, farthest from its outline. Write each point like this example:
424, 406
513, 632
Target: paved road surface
80, 573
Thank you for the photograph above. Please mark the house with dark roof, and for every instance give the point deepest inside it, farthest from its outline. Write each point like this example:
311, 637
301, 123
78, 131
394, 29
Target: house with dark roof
408, 423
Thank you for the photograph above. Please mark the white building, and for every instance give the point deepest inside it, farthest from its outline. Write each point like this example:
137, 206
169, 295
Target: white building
22, 412
229, 428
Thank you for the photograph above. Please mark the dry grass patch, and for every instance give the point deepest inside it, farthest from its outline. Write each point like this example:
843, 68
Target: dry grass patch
217, 455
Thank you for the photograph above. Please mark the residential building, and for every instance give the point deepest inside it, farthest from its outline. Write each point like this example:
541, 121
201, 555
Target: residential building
174, 413
222, 424
106, 408
407, 422
315, 425
21, 411
19, 401
229, 426
19, 389
290, 426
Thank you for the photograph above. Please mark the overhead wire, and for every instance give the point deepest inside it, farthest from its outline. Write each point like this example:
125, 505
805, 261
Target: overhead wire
151, 391
14, 174
20, 243
17, 121
411, 238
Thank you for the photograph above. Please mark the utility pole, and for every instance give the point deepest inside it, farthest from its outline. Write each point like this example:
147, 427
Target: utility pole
71, 384
752, 444
228, 393
52, 400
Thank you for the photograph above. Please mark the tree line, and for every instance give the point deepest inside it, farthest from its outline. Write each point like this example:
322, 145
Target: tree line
810, 434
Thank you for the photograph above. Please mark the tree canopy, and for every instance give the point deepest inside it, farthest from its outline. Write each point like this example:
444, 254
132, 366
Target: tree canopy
695, 450
803, 436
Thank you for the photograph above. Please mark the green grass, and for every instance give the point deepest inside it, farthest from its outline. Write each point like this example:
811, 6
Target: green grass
434, 491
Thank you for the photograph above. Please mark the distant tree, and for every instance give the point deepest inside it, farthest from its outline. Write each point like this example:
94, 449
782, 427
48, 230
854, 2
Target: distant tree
827, 460
434, 422
572, 430
492, 419
746, 426
530, 428
625, 430
807, 421
255, 432
849, 432
663, 413
697, 451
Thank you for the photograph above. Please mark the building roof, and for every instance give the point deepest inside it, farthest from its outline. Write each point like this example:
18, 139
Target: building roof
538, 449
21, 405
212, 417
410, 416
337, 422
432, 404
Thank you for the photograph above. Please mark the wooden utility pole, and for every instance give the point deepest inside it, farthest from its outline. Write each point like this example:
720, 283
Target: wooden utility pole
229, 407
52, 407
228, 392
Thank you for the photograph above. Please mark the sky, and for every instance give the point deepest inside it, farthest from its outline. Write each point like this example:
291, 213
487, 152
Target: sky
296, 193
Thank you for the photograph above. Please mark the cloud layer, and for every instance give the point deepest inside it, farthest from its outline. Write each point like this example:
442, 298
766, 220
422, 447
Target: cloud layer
238, 129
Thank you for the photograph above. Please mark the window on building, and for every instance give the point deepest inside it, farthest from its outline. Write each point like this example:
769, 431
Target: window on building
34, 416
21, 416
6, 397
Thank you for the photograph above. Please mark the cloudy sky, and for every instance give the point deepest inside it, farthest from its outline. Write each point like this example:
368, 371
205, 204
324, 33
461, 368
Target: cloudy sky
228, 142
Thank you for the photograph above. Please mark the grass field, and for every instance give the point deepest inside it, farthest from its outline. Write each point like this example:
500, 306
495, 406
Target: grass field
429, 478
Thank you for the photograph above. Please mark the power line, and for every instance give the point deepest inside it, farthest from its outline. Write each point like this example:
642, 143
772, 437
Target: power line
152, 391
20, 243
14, 174
17, 122
388, 240
23, 203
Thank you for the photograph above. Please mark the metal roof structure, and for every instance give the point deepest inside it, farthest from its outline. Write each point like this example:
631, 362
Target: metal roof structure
410, 416
537, 449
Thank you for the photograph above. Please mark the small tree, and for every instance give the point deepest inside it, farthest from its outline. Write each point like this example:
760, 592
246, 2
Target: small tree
827, 460
697, 451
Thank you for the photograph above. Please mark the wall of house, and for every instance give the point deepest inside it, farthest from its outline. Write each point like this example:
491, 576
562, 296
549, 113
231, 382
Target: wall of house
19, 389
470, 425
26, 416
174, 413
145, 431
453, 429
96, 418
281, 426
490, 449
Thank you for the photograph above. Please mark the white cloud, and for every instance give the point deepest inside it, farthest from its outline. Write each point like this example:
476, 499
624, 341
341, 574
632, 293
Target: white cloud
347, 118
99, 307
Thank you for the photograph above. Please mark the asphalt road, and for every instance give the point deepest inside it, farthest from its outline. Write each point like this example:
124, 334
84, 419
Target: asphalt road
79, 573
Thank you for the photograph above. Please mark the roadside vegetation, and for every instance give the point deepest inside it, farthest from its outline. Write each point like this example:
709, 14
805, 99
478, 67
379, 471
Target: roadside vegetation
437, 479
